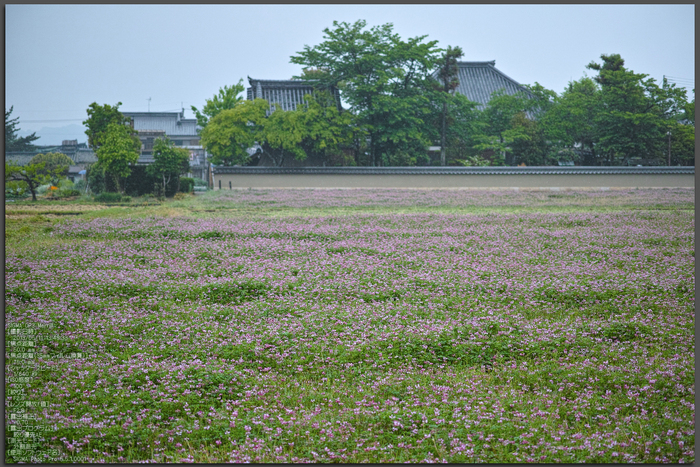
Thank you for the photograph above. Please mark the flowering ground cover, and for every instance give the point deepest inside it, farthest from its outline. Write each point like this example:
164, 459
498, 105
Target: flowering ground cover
363, 326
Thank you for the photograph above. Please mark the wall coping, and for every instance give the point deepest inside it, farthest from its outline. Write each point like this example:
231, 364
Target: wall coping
576, 170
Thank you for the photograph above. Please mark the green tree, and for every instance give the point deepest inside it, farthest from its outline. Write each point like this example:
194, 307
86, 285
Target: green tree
116, 152
572, 120
169, 162
12, 141
227, 98
231, 132
448, 75
464, 130
528, 142
316, 127
682, 144
497, 120
100, 117
383, 78
33, 175
637, 111
56, 165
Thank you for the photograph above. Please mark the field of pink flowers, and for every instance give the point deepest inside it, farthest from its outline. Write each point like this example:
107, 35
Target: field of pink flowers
560, 330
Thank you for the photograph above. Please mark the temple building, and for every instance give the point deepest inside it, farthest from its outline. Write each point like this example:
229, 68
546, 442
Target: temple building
287, 94
478, 80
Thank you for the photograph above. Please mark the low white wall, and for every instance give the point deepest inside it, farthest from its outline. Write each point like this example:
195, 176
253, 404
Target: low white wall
227, 181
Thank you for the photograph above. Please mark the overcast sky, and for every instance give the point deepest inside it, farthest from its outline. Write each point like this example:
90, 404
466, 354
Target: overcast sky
61, 58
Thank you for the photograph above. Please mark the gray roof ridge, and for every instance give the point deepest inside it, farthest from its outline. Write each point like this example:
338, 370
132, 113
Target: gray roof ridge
484, 63
279, 81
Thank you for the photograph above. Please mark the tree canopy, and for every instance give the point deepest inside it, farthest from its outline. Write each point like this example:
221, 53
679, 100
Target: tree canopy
316, 127
227, 98
231, 132
116, 152
384, 79
12, 141
169, 161
56, 165
32, 175
98, 121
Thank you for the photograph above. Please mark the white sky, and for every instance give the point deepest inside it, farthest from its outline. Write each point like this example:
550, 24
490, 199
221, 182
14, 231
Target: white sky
61, 58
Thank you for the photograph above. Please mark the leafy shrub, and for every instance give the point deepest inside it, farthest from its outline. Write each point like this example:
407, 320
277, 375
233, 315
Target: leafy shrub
68, 193
200, 182
79, 185
15, 190
180, 196
186, 184
108, 197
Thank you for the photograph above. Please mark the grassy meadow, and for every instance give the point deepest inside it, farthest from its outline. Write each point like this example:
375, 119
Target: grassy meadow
357, 326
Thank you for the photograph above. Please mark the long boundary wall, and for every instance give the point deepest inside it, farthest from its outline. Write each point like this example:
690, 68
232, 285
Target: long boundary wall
547, 178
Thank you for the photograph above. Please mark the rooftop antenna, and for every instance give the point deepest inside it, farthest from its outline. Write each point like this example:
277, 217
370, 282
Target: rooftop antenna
149, 104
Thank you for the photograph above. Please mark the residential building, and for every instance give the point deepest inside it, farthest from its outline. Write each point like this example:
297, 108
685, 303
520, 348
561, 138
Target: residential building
183, 132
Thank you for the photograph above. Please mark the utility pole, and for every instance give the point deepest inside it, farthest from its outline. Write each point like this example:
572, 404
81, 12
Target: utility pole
669, 148
149, 104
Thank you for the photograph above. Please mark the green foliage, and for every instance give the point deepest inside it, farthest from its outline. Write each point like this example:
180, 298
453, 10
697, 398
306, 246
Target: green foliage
32, 175
232, 131
464, 130
448, 76
169, 162
12, 141
15, 190
497, 120
529, 145
572, 119
383, 78
317, 127
95, 176
227, 98
56, 165
117, 152
186, 184
637, 111
100, 117
108, 197
682, 144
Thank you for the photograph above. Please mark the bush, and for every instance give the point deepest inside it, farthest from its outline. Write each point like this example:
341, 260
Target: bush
200, 182
80, 185
180, 196
15, 190
107, 197
96, 178
186, 184
66, 193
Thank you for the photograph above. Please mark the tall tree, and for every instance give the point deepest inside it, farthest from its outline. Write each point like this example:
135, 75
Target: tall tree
383, 78
636, 112
116, 152
497, 120
169, 161
231, 132
98, 121
448, 76
227, 98
572, 120
12, 141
